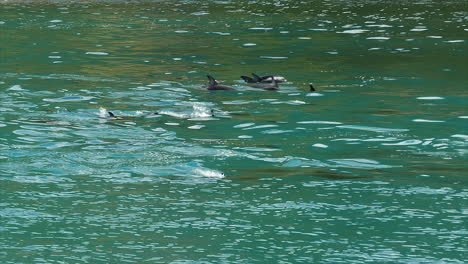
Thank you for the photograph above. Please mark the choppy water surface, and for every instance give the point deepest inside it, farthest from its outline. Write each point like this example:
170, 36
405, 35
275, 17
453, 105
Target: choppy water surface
371, 168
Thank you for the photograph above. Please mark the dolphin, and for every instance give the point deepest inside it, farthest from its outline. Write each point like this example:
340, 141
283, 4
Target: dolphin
248, 79
263, 79
312, 89
269, 78
111, 116
273, 86
214, 85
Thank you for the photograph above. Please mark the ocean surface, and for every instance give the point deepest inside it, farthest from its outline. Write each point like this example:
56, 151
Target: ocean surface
372, 167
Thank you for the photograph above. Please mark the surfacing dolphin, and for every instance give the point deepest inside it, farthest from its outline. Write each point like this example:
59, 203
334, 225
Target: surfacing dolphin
112, 116
263, 79
214, 85
248, 79
269, 78
273, 86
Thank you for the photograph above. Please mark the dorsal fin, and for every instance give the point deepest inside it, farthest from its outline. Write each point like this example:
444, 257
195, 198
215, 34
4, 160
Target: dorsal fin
111, 114
247, 79
212, 80
312, 89
256, 77
274, 82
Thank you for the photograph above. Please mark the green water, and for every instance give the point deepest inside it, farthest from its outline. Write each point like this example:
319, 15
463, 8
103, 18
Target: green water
370, 168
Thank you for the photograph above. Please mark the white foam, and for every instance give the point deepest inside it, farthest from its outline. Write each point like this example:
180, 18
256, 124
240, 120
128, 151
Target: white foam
16, 87
314, 94
273, 57
69, 99
97, 53
222, 33
56, 21
260, 28
249, 44
359, 164
208, 173
196, 127
320, 122
102, 112
354, 31
244, 125
430, 98
318, 145
427, 121
374, 129
261, 126
378, 38
295, 102
465, 137
200, 111
380, 26
200, 13
408, 142
418, 29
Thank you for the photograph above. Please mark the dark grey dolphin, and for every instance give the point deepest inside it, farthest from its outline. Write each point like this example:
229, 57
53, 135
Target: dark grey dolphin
263, 79
113, 116
269, 78
248, 79
273, 86
214, 85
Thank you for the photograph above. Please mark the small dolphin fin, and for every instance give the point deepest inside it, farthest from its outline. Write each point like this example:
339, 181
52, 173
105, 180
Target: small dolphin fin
212, 80
256, 77
312, 89
247, 79
111, 114
274, 82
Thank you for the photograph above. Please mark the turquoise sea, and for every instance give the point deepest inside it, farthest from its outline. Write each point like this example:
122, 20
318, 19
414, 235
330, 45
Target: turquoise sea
370, 168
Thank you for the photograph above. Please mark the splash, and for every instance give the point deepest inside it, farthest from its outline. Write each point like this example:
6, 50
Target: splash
200, 111
16, 87
102, 112
208, 173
